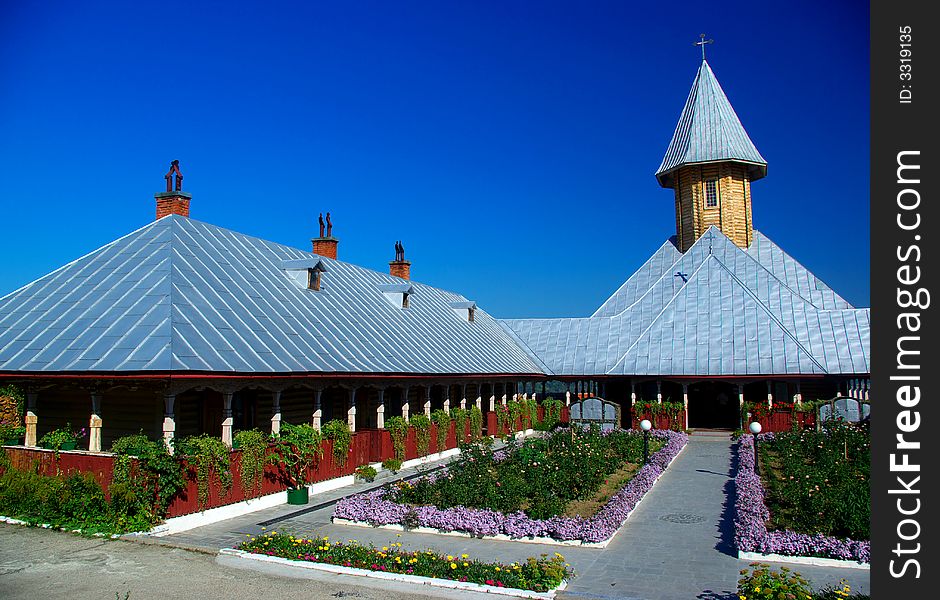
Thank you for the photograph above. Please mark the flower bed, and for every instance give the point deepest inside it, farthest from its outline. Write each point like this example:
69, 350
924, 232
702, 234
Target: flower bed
751, 515
536, 574
377, 509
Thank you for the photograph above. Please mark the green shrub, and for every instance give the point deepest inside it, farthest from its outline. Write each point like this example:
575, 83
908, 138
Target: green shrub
338, 431
460, 417
762, 582
156, 482
476, 423
392, 464
365, 472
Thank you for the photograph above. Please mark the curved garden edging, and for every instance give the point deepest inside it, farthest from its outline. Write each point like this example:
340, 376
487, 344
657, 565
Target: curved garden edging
754, 541
373, 510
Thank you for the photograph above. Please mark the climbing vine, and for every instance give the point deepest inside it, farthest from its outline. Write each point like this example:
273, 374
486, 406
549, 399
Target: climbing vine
297, 447
552, 412
422, 426
459, 416
515, 414
153, 485
398, 429
476, 423
208, 455
253, 444
338, 431
502, 419
442, 420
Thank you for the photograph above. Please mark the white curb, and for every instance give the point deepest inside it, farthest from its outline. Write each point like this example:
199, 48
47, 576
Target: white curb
815, 561
443, 583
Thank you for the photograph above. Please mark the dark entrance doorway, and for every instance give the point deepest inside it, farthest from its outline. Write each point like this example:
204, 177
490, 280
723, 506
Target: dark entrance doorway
713, 405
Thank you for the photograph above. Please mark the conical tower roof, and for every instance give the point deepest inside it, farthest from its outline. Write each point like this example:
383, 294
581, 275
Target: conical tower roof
709, 131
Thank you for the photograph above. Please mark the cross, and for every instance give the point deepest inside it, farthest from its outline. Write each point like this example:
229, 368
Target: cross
682, 276
702, 43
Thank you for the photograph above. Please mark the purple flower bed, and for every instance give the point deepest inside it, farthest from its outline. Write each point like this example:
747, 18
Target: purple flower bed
373, 508
751, 515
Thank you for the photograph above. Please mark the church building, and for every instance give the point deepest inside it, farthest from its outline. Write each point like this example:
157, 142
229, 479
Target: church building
183, 327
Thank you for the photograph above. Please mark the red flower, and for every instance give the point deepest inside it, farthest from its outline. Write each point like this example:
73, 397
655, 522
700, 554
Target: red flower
489, 582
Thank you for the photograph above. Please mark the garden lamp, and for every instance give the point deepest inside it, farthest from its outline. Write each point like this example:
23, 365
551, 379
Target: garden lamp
755, 429
645, 425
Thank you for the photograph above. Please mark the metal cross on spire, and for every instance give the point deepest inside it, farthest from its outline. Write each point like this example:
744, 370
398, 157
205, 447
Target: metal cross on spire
702, 43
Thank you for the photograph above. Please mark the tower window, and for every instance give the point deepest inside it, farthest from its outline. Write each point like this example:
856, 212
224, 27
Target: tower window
313, 279
711, 193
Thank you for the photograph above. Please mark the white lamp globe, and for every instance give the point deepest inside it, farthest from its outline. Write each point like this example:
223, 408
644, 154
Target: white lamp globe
754, 427
645, 425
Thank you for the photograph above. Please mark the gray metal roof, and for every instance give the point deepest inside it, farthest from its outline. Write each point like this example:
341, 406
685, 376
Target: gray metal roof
709, 130
182, 295
735, 312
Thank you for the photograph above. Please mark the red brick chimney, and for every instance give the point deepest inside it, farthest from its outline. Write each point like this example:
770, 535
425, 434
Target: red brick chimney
173, 201
326, 244
400, 267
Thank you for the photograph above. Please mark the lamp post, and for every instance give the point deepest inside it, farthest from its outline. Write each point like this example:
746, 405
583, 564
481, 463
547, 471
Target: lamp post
645, 425
755, 429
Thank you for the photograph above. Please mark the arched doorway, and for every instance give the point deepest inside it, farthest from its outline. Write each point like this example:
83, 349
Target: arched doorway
713, 405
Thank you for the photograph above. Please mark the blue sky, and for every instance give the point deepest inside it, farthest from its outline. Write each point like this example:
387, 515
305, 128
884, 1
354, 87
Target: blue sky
510, 145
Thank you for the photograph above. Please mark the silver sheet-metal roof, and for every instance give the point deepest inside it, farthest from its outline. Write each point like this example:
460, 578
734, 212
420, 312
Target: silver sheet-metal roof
730, 312
182, 295
709, 130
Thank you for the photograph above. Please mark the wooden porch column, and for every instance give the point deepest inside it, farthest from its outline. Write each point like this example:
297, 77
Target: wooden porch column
798, 397
94, 424
544, 394
492, 397
659, 391
741, 403
404, 403
568, 395
31, 419
867, 387
427, 401
351, 410
505, 394
463, 396
685, 402
317, 409
169, 421
380, 410
447, 399
770, 394
632, 394
227, 418
479, 400
276, 412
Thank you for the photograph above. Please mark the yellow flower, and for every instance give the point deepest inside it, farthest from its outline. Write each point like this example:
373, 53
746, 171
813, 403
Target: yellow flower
497, 569
464, 555
453, 565
449, 557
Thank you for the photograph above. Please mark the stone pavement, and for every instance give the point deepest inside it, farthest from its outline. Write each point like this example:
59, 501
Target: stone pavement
676, 545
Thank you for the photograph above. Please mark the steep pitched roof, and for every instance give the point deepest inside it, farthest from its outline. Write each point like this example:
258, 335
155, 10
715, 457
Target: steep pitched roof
182, 295
709, 130
731, 312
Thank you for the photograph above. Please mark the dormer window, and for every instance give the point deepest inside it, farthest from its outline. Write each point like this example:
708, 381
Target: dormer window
711, 193
313, 279
397, 293
306, 272
466, 311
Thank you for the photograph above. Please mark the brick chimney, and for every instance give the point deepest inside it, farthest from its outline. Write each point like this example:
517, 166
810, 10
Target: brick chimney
400, 267
173, 201
326, 244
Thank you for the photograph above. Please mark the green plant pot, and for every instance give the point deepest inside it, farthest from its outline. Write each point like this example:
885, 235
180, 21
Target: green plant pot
69, 446
11, 442
299, 495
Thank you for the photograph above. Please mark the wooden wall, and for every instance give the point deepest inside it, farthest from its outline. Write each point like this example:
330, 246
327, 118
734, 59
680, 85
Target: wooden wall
733, 213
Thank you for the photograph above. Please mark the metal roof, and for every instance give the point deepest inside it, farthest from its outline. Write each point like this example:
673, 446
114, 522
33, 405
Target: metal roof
182, 295
709, 130
732, 312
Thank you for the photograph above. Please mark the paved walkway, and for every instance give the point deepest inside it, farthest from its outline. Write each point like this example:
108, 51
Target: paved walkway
676, 544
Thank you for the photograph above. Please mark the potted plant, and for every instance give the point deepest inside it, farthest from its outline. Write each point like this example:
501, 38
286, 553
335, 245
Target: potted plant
365, 473
62, 439
297, 448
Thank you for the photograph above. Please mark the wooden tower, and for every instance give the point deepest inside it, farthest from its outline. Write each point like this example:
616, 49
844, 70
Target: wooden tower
710, 164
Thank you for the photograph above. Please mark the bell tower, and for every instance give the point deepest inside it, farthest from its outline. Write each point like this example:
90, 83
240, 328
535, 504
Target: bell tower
710, 163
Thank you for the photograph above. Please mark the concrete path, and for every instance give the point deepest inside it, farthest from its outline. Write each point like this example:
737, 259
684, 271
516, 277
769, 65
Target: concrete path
676, 545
